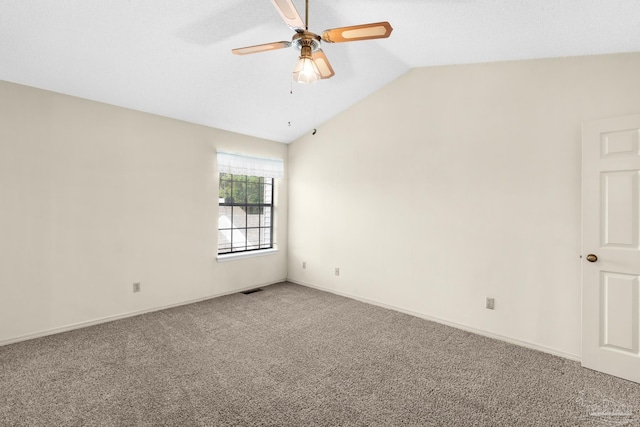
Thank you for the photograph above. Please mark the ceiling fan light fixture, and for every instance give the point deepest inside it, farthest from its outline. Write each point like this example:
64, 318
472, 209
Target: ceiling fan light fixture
306, 71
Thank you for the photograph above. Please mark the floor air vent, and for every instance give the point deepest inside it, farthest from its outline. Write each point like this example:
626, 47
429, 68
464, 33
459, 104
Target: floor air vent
251, 291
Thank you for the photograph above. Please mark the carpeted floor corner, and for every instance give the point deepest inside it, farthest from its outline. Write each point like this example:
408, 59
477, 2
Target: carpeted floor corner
295, 356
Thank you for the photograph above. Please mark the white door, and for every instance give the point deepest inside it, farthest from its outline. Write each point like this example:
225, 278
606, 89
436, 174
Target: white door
611, 246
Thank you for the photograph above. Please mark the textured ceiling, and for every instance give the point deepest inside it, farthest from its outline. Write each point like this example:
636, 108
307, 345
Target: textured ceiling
173, 57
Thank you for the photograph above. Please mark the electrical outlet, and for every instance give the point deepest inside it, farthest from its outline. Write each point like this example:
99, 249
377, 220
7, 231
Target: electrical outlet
136, 287
304, 264
337, 271
491, 303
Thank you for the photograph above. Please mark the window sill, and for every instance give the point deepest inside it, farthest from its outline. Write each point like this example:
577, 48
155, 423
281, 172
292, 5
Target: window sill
242, 255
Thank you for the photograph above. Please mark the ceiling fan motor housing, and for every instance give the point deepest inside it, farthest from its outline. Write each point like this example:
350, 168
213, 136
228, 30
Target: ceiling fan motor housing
306, 39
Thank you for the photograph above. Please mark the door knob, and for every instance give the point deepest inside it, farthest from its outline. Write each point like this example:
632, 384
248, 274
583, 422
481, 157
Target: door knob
592, 258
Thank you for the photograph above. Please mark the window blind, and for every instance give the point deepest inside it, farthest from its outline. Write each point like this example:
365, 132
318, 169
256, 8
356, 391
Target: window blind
239, 164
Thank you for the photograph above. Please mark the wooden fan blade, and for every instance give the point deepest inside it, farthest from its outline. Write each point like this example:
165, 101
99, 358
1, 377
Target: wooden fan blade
324, 67
289, 13
260, 48
378, 30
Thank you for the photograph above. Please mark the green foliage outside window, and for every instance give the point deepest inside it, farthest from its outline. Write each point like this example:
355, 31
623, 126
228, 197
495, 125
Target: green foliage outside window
241, 189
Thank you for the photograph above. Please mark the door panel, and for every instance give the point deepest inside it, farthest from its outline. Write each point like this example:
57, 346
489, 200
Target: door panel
621, 143
619, 308
611, 230
619, 201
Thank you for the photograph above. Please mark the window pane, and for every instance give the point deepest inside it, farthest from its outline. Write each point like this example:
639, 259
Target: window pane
239, 192
253, 236
265, 237
224, 242
239, 217
255, 193
247, 224
253, 219
267, 191
239, 241
225, 189
224, 216
265, 219
255, 210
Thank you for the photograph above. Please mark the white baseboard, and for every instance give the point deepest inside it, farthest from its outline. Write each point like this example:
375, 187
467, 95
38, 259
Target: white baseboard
94, 322
456, 325
125, 315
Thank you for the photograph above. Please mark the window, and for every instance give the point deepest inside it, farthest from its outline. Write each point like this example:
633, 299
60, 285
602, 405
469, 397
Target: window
246, 203
245, 218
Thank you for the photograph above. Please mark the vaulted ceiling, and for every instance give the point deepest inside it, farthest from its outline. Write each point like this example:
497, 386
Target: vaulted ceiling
173, 58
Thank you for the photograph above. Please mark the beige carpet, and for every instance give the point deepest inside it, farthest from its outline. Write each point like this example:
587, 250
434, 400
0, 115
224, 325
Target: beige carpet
294, 356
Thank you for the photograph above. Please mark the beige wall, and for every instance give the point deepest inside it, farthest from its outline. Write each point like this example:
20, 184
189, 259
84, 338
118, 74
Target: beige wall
95, 197
447, 186
456, 183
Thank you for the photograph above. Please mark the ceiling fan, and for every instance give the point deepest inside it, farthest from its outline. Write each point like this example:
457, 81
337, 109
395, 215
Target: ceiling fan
313, 63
